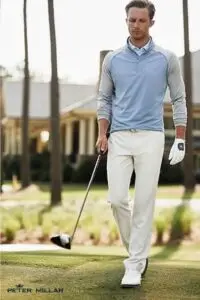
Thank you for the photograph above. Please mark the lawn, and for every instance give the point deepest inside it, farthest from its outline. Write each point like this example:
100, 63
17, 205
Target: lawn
41, 192
95, 273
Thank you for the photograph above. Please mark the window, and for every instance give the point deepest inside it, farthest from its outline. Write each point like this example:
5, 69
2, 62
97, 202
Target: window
168, 123
196, 124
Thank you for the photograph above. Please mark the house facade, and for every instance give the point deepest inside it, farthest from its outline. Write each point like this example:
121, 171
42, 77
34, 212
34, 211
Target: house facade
78, 123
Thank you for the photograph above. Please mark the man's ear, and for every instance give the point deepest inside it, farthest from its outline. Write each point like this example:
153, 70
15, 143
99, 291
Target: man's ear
152, 23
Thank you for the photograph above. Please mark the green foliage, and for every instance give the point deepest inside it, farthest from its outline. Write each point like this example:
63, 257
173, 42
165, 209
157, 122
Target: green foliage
10, 228
94, 230
113, 233
97, 223
17, 214
67, 171
170, 174
40, 169
39, 165
46, 226
11, 166
30, 219
162, 223
85, 168
182, 222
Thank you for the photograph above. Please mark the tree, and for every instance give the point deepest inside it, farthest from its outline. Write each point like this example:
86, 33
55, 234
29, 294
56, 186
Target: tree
4, 73
183, 211
1, 134
189, 177
55, 114
25, 159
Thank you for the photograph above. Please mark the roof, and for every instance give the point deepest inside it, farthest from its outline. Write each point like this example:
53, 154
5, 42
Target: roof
72, 96
40, 97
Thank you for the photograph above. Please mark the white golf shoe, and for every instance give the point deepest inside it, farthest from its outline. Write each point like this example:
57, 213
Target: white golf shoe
132, 278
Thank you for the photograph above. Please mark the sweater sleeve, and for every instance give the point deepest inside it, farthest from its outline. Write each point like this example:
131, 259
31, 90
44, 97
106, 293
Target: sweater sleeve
106, 89
177, 91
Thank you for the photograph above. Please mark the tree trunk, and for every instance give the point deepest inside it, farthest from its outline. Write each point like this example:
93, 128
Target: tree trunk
25, 159
1, 133
177, 230
56, 177
189, 177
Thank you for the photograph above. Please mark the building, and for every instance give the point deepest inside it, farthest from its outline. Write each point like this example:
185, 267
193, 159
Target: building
77, 115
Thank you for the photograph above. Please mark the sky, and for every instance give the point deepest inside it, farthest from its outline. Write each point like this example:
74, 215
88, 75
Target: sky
83, 29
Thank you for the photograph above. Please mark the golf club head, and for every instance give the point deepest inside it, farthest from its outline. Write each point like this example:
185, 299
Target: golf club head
61, 240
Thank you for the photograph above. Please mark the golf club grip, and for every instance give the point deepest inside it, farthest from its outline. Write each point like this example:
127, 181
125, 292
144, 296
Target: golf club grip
87, 191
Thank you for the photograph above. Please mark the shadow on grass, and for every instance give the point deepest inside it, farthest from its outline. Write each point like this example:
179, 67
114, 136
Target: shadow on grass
102, 280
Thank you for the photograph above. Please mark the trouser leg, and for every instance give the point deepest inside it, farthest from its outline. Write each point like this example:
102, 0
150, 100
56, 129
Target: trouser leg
147, 163
119, 171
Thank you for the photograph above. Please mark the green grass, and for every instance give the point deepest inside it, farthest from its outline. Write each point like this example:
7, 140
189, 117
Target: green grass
73, 192
95, 273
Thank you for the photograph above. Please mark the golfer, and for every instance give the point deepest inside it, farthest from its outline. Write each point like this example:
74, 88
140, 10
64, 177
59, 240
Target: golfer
132, 88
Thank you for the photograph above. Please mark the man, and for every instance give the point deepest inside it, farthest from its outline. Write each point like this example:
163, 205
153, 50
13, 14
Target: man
131, 93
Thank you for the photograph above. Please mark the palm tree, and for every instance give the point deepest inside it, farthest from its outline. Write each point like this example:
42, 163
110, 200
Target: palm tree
177, 228
56, 179
4, 73
1, 132
189, 176
25, 159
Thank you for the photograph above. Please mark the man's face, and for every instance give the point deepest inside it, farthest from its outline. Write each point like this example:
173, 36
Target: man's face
138, 22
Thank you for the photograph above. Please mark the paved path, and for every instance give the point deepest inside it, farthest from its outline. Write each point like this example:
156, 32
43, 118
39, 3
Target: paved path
27, 247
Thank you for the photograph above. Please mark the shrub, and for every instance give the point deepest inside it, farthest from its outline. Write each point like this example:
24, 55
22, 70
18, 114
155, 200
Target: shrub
113, 232
11, 166
94, 230
67, 171
162, 221
170, 174
30, 219
17, 214
10, 228
182, 222
46, 226
85, 168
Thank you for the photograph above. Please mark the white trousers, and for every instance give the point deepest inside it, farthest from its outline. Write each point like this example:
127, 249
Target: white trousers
142, 151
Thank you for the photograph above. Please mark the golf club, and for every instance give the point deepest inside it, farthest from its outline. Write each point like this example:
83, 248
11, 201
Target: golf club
65, 240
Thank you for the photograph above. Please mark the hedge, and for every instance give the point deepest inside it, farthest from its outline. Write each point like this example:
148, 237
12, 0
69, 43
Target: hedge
40, 170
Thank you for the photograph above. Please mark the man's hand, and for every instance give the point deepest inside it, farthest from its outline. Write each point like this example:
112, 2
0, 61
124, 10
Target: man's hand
102, 143
177, 151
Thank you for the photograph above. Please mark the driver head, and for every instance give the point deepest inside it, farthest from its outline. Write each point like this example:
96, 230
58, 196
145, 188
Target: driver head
61, 240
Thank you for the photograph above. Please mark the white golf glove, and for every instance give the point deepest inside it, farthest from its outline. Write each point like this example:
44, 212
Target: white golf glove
177, 152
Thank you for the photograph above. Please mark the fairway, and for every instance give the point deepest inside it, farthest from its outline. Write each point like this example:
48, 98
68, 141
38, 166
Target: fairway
95, 273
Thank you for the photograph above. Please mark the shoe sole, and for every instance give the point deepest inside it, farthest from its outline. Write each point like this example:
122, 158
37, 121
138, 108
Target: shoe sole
145, 269
124, 286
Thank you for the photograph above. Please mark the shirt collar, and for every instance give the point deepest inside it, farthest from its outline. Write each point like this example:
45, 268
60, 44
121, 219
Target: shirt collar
146, 47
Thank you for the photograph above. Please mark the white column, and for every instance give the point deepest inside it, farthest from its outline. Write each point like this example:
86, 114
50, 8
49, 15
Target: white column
91, 139
13, 140
68, 138
7, 141
82, 136
19, 141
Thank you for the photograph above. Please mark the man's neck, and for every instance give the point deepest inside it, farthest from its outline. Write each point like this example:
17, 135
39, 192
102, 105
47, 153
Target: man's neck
140, 43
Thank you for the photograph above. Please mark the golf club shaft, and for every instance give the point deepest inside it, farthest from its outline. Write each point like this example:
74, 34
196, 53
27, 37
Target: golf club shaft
87, 191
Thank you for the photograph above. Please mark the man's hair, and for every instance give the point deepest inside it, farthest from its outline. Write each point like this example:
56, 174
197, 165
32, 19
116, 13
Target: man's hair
142, 4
